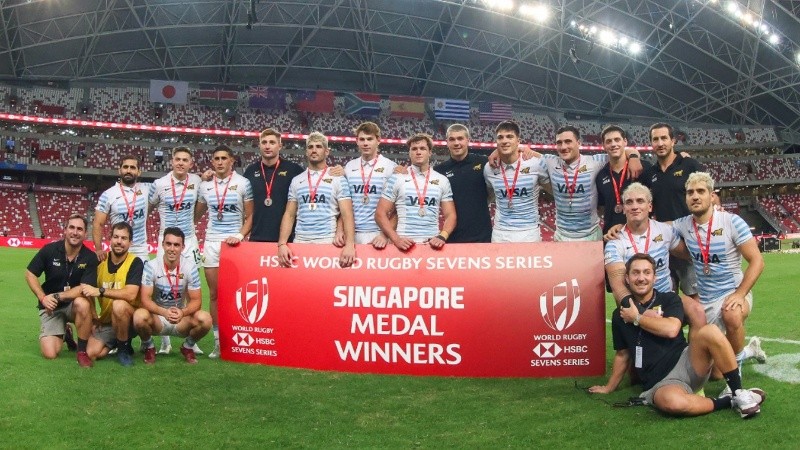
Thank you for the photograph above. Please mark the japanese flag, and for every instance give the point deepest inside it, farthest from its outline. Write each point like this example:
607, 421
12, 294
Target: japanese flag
162, 91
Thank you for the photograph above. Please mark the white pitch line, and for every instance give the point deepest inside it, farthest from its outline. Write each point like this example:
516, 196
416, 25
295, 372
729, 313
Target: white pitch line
765, 339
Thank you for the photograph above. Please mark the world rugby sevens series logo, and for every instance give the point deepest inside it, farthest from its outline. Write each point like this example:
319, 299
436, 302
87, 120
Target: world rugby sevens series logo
560, 308
252, 300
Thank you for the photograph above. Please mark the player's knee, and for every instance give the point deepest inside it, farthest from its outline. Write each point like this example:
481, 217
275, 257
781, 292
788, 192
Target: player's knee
732, 319
141, 317
49, 353
121, 308
204, 320
80, 306
675, 405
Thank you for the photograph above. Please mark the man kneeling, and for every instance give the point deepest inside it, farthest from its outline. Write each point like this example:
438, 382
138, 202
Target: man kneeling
167, 283
647, 332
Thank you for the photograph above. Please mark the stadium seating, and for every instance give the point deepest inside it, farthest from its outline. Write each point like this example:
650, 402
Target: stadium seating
14, 214
53, 208
777, 168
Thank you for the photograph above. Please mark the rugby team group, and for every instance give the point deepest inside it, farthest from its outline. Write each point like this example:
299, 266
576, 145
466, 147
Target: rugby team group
672, 256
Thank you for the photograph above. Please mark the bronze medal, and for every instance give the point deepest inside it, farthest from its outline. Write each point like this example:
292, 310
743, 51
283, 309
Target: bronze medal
706, 269
365, 200
422, 212
219, 216
618, 209
268, 202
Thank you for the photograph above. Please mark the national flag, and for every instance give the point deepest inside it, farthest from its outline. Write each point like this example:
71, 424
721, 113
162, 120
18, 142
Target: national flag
362, 104
217, 95
494, 112
407, 106
164, 91
451, 109
314, 101
266, 98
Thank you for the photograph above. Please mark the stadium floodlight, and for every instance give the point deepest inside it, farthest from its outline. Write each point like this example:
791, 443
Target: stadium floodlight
764, 28
540, 13
592, 29
606, 37
502, 5
774, 39
623, 41
748, 18
635, 48
732, 7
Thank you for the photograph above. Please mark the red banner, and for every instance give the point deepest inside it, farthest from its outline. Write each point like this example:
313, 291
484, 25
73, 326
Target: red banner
478, 310
36, 243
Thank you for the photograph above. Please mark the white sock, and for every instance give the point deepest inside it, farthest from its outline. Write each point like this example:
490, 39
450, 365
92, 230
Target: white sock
216, 335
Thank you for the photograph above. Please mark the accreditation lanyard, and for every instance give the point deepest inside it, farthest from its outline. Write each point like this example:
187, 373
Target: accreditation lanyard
130, 206
571, 188
178, 201
421, 197
639, 350
367, 180
510, 189
268, 186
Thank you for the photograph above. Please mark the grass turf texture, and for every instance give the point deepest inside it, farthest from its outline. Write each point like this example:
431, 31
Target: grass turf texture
55, 404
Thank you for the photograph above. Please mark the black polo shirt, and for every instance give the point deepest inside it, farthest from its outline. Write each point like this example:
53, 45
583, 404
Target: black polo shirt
669, 187
606, 197
59, 272
470, 196
659, 354
267, 219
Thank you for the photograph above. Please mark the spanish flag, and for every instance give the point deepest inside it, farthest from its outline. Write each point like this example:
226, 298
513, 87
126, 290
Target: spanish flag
407, 106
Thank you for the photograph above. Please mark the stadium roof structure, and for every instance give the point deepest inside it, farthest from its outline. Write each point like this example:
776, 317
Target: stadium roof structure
698, 62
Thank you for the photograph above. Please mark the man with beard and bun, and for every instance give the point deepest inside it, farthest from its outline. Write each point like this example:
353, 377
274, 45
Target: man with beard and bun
119, 277
228, 198
367, 176
647, 335
126, 201
516, 185
316, 199
418, 197
175, 196
68, 265
717, 241
270, 178
171, 299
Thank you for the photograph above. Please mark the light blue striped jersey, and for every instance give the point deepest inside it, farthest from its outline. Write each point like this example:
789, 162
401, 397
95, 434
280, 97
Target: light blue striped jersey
166, 200
662, 239
112, 202
239, 192
578, 219
381, 169
154, 275
320, 222
523, 214
401, 191
728, 232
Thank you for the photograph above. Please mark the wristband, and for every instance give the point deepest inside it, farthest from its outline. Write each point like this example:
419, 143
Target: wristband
439, 236
637, 319
633, 155
444, 235
281, 244
239, 236
57, 297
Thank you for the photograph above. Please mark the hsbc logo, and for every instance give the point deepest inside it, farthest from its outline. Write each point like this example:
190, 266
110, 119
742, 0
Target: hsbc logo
547, 350
252, 300
243, 339
151, 248
14, 242
560, 307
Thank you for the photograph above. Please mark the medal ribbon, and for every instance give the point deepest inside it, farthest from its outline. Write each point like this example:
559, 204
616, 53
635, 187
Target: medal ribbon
221, 201
268, 187
421, 200
705, 251
510, 190
129, 206
633, 241
174, 288
174, 194
571, 189
618, 188
366, 181
313, 193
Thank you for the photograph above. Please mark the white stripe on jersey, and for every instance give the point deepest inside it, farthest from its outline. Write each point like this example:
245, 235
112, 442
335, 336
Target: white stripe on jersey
319, 223
112, 202
401, 191
155, 276
181, 216
524, 212
239, 192
728, 232
365, 213
581, 218
662, 239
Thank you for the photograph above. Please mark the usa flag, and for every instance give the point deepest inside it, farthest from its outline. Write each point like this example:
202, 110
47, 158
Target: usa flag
494, 112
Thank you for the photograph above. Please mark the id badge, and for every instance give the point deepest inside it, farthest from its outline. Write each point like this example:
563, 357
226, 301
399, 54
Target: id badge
66, 288
638, 361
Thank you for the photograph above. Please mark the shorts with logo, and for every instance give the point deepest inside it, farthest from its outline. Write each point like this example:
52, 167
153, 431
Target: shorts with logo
140, 251
366, 237
532, 235
595, 234
682, 375
683, 275
190, 249
55, 323
105, 334
168, 329
211, 251
714, 310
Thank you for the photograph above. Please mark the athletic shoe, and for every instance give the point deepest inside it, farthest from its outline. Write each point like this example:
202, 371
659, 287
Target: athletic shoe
71, 345
150, 355
124, 358
188, 354
84, 360
166, 346
754, 348
215, 353
197, 350
726, 392
113, 351
746, 403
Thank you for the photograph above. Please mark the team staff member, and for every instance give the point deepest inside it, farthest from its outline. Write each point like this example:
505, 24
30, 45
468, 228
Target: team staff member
270, 178
119, 277
515, 184
67, 266
613, 178
316, 199
126, 201
647, 334
418, 197
171, 299
367, 176
228, 198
